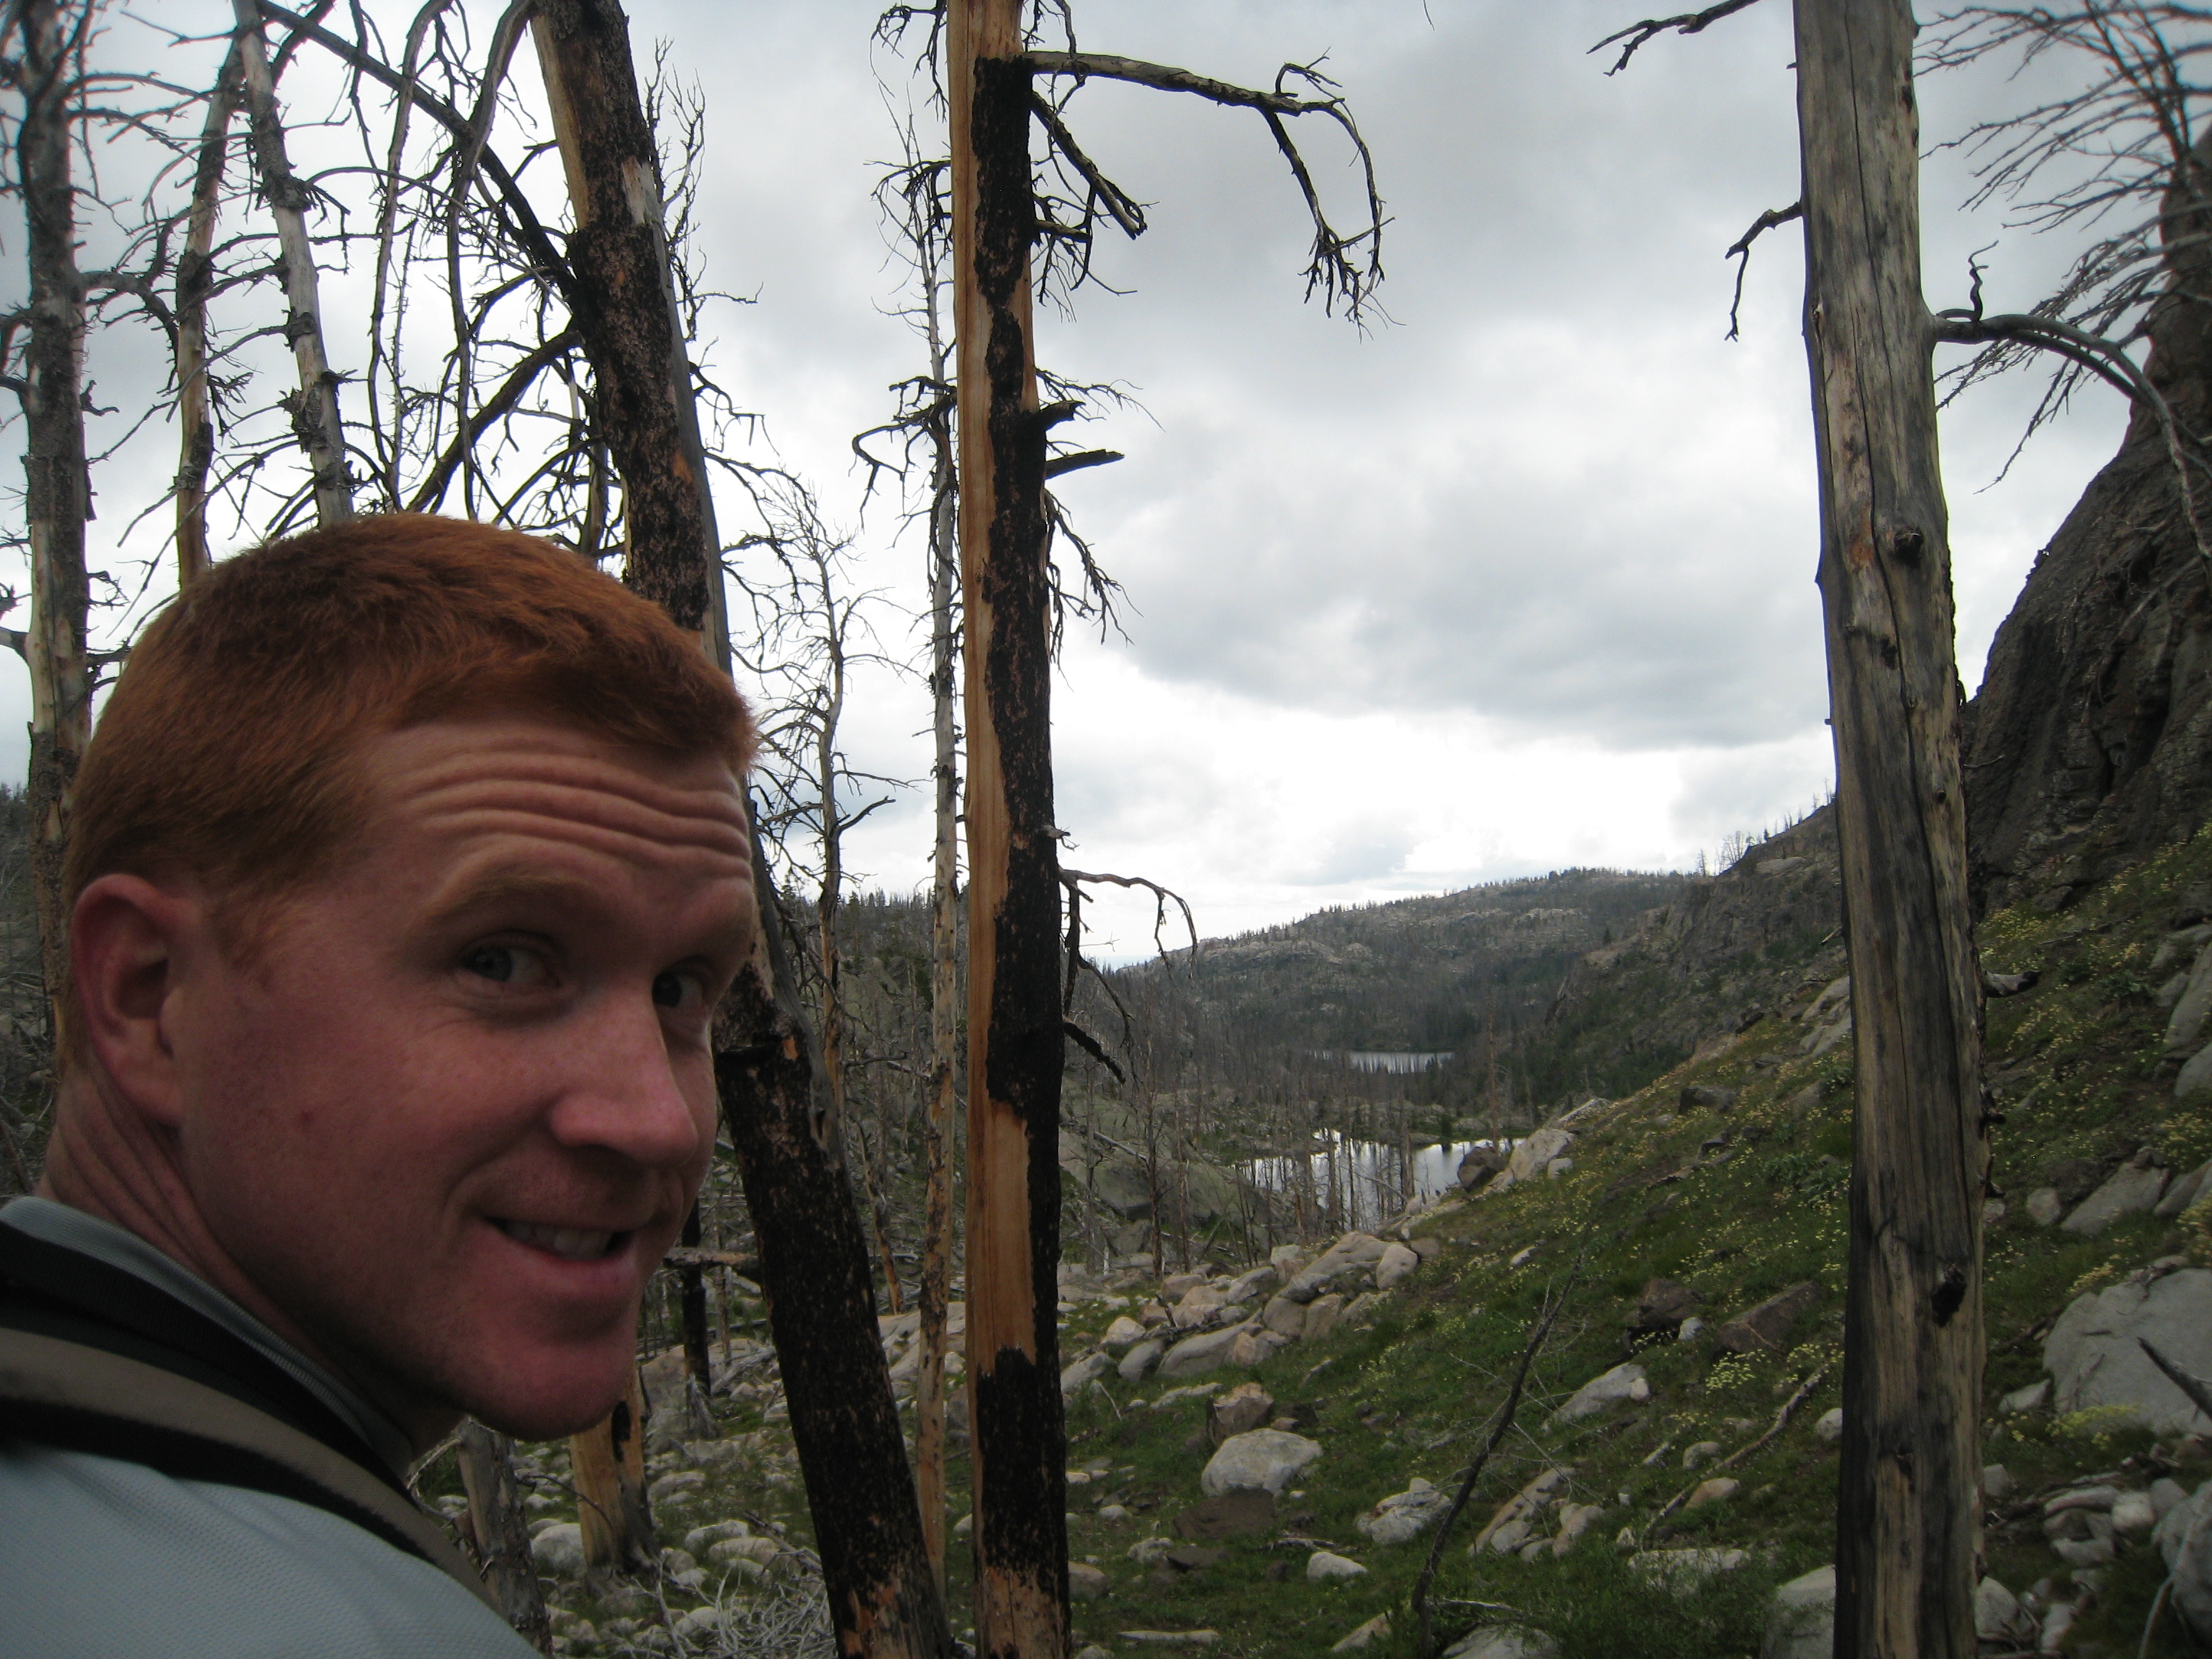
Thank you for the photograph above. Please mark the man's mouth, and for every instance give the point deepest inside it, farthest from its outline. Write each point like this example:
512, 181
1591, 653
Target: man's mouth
571, 1244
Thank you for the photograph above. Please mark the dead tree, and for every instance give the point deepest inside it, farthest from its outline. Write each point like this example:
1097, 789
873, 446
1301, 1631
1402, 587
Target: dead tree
501, 1532
314, 406
1015, 1044
1907, 1540
195, 274
56, 483
882, 1597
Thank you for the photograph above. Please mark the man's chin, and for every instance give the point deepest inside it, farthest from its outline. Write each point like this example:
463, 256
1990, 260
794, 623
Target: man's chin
552, 1396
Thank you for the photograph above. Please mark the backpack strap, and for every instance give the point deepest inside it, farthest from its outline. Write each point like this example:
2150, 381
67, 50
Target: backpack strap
82, 1399
49, 1290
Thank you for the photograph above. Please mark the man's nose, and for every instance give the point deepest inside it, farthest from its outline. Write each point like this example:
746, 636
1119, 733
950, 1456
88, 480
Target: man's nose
622, 1092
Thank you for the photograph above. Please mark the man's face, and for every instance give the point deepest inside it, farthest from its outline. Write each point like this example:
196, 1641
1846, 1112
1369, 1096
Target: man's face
450, 1117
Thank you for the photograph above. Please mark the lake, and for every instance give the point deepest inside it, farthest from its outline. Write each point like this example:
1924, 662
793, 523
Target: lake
1356, 1185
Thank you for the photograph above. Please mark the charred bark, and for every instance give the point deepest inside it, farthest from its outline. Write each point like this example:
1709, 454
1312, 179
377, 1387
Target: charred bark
821, 1305
692, 1296
1014, 1029
1906, 1535
57, 489
608, 1460
814, 1267
626, 309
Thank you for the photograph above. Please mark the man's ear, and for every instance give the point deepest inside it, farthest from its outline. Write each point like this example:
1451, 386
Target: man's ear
129, 940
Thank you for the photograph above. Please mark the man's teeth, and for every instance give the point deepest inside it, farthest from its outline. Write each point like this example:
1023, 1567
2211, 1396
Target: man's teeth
575, 1243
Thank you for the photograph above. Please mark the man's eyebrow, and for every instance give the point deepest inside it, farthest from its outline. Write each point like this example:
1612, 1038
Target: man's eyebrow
507, 883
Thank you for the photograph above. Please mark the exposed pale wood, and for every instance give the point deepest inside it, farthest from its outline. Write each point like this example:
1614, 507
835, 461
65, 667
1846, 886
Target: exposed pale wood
314, 406
1015, 1037
934, 1293
503, 1533
1906, 1534
56, 486
608, 1463
195, 435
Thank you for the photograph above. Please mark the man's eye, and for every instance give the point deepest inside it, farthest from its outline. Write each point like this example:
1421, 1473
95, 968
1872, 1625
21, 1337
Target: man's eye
505, 964
679, 990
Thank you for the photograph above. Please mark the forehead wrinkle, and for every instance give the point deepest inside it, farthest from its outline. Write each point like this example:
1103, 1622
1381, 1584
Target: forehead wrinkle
509, 879
707, 819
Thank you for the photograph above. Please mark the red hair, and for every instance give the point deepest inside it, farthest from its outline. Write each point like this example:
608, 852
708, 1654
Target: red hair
228, 749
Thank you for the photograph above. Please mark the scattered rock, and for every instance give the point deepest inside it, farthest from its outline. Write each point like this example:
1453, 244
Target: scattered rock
1713, 1491
1999, 1617
1138, 1362
2098, 1498
1197, 1305
1997, 1483
1229, 1515
1404, 1516
2073, 1178
1481, 1162
1254, 1281
560, 1549
1663, 1304
2079, 1552
2184, 1191
1378, 1626
1708, 1096
2095, 1359
1767, 1327
1530, 1155
1830, 1425
1121, 1335
1259, 1458
1255, 1344
1284, 1317
1621, 1382
1521, 1258
1801, 1620
1353, 1251
2136, 1185
1207, 1351
1575, 1520
1692, 1329
1086, 1582
1089, 1368
2167, 1496
2185, 1540
2184, 1030
670, 1486
2044, 1207
1558, 1167
2029, 1399
1176, 1286
1247, 1406
2195, 1074
1321, 1315
1504, 1642
2132, 1512
1515, 1519
1682, 1570
1112, 1513
1325, 1566
1150, 1552
1396, 1266
1704, 1452
700, 1538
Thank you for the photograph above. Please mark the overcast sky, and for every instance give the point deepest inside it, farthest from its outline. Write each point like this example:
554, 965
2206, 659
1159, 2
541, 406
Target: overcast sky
1521, 578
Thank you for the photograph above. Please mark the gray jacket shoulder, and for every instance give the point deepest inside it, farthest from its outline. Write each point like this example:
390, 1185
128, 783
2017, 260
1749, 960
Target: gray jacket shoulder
106, 1558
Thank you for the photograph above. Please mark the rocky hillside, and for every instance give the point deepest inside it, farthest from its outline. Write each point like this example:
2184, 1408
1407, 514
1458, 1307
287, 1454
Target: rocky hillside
1261, 1452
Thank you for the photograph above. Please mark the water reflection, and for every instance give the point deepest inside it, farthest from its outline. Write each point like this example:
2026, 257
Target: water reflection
1398, 1062
1357, 1185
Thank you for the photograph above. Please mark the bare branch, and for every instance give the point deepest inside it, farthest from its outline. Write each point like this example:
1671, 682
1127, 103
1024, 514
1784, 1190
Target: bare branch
1688, 22
1740, 251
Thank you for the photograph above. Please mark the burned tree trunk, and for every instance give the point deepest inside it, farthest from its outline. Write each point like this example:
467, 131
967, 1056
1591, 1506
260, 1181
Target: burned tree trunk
691, 1282
502, 1537
814, 1265
1014, 1030
1906, 1539
57, 487
314, 406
